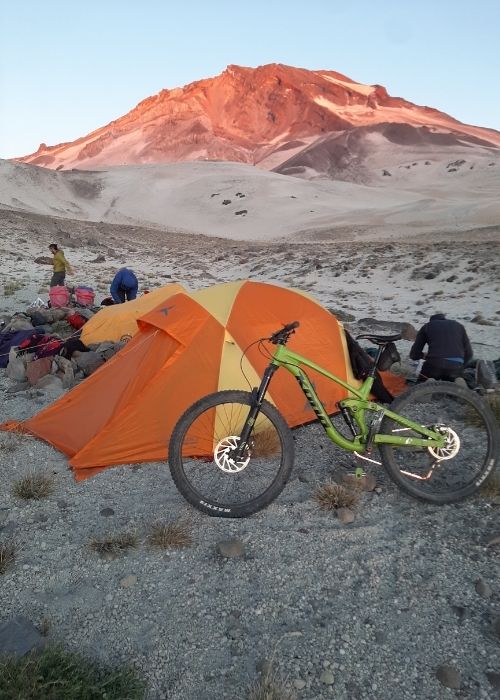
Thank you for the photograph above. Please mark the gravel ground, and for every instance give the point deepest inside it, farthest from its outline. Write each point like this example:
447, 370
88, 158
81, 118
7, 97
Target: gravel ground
368, 610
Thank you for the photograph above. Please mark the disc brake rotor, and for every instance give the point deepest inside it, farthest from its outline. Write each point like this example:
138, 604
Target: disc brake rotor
222, 455
451, 447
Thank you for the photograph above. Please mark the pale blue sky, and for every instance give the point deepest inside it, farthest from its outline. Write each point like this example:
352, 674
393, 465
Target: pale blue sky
67, 68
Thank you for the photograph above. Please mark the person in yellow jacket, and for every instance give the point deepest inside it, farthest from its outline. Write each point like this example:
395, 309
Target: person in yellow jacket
60, 264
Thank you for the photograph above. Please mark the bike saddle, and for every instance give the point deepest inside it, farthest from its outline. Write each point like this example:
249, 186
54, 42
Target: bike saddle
380, 339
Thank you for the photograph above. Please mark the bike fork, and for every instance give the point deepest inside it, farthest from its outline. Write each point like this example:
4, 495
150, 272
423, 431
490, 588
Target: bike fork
258, 395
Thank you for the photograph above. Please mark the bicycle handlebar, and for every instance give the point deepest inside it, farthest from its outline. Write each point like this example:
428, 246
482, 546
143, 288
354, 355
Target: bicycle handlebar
281, 337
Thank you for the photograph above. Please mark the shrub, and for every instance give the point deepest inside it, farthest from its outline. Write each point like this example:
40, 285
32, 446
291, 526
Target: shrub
270, 686
114, 544
331, 496
173, 534
34, 486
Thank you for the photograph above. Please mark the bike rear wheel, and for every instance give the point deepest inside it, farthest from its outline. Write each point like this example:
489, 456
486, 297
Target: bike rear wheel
467, 460
201, 462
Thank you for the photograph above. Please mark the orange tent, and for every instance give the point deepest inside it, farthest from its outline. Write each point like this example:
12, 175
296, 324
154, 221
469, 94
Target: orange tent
187, 347
120, 320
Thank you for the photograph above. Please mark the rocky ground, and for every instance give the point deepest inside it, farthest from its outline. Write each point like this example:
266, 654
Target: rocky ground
402, 603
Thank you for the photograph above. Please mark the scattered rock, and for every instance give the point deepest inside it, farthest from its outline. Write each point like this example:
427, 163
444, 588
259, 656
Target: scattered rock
106, 512
364, 483
19, 386
327, 677
386, 173
483, 589
98, 259
496, 626
456, 164
43, 260
343, 316
87, 362
242, 212
51, 385
128, 581
299, 684
231, 549
234, 632
495, 541
226, 201
448, 676
345, 515
481, 321
459, 611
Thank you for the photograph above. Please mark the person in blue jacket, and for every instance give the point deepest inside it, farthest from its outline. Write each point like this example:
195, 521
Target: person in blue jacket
124, 286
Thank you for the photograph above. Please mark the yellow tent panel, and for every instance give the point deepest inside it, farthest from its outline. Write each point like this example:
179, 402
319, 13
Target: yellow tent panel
115, 322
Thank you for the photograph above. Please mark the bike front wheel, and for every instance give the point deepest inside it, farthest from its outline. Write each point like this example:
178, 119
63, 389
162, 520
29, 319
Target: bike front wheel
201, 455
465, 462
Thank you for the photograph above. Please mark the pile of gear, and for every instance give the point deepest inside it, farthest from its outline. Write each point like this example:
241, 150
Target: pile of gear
41, 347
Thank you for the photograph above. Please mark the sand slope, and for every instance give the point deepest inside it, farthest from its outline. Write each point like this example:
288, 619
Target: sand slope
239, 202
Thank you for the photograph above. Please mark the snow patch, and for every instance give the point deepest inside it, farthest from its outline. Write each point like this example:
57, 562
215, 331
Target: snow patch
355, 87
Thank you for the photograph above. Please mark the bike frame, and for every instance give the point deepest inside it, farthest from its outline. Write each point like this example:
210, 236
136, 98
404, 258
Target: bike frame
353, 409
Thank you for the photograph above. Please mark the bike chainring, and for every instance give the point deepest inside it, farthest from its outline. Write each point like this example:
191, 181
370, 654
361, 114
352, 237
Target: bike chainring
451, 446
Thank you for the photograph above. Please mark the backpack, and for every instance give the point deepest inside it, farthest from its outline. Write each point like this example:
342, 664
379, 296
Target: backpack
59, 296
84, 296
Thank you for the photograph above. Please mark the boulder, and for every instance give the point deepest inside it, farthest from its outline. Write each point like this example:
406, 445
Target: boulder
87, 362
37, 369
19, 322
50, 385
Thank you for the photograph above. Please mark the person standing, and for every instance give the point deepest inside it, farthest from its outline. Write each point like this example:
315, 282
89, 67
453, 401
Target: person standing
124, 286
60, 265
449, 349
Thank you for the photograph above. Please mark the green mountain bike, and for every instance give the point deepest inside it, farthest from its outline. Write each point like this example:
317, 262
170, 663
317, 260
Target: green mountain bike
231, 453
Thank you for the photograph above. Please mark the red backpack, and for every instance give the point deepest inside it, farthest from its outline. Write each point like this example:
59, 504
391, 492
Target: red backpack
84, 296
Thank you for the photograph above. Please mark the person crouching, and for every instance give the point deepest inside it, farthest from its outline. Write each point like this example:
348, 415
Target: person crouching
124, 286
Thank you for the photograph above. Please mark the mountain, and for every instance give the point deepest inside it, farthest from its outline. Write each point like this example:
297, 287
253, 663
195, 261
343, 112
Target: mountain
290, 120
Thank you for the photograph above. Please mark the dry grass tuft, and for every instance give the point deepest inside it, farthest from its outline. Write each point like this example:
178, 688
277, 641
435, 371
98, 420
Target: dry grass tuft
166, 535
265, 443
34, 486
44, 626
330, 496
114, 544
270, 686
10, 288
7, 555
494, 403
491, 489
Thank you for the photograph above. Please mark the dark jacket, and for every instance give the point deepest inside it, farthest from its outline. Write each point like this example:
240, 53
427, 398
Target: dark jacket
124, 280
446, 339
